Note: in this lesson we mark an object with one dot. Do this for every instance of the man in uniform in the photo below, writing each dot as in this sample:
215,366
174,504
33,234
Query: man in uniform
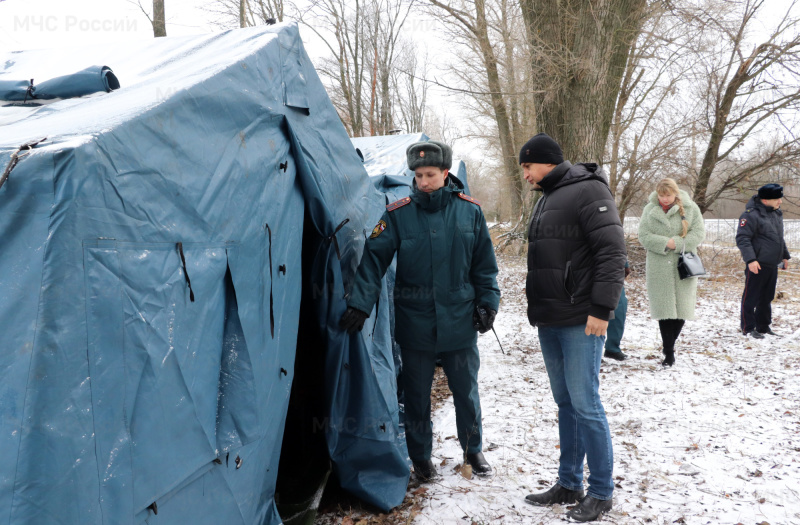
760,239
445,292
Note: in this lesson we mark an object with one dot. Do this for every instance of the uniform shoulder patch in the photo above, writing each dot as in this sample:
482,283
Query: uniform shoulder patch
379,228
742,223
398,204
469,199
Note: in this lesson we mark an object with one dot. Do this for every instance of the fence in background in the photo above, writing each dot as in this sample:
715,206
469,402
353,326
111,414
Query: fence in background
723,231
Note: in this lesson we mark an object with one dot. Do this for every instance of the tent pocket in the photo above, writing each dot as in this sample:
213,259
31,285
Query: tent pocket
154,362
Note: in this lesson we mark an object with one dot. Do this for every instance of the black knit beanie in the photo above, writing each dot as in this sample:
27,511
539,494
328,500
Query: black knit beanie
770,191
541,149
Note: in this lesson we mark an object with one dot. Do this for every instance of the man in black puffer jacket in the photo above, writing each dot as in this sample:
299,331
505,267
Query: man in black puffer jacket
576,269
760,239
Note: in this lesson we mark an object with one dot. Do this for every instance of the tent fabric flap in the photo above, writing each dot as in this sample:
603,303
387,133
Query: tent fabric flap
151,278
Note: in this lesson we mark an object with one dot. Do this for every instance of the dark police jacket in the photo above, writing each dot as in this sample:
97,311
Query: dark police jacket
759,235
445,267
576,249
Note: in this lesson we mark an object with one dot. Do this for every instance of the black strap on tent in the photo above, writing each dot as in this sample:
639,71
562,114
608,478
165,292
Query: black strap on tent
271,314
333,238
185,273
28,92
16,156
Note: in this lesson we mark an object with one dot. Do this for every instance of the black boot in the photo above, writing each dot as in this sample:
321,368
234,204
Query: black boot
425,470
669,358
480,467
768,331
556,494
617,356
589,509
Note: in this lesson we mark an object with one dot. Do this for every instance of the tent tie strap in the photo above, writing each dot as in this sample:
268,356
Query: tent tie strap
271,301
15,157
28,92
185,273
336,242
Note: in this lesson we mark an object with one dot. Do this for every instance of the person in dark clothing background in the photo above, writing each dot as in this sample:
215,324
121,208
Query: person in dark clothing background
616,326
445,292
759,238
576,268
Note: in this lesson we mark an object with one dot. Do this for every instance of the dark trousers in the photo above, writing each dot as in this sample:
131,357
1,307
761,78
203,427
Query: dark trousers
670,330
461,368
759,291
616,326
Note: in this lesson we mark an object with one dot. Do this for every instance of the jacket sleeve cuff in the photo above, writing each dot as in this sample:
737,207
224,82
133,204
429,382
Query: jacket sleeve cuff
751,260
600,312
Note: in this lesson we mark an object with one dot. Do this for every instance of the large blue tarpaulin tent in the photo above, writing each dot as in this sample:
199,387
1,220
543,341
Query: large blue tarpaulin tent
167,249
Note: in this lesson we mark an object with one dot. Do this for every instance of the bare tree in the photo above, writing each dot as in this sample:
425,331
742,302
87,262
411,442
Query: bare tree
580,52
748,90
489,75
158,20
409,87
649,127
247,13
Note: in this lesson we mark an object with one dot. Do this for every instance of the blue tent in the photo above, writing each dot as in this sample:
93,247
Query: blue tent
168,252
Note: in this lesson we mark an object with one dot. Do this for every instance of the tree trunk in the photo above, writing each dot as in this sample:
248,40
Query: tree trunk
159,19
242,17
718,130
511,170
584,46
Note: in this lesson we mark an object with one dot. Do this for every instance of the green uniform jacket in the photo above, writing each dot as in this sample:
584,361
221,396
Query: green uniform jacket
445,267
670,297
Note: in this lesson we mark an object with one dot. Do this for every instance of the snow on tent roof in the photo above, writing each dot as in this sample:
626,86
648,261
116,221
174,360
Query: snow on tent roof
173,264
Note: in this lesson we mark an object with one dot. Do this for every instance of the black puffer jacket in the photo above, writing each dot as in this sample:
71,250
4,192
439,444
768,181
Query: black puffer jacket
760,234
576,249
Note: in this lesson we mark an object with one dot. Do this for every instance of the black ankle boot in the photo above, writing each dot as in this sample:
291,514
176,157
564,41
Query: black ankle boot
556,494
669,358
425,470
589,509
480,467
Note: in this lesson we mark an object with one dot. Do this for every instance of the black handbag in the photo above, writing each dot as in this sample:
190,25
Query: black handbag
689,264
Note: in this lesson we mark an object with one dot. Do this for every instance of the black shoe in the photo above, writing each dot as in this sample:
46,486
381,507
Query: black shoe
425,470
480,467
669,359
754,334
589,509
768,331
618,356
556,494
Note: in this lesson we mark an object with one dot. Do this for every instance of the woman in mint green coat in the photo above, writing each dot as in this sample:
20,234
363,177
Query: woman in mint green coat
670,222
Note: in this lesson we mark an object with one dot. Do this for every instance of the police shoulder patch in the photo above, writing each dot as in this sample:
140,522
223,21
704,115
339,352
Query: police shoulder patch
398,204
469,199
378,229
742,223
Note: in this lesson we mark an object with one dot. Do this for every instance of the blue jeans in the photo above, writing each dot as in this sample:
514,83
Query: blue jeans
616,326
573,361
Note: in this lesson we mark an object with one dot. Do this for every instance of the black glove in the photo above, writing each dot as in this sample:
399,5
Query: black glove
353,320
483,319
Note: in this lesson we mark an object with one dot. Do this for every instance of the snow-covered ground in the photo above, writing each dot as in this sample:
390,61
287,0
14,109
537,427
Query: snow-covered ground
714,439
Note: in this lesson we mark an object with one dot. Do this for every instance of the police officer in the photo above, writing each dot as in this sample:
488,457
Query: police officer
760,239
445,291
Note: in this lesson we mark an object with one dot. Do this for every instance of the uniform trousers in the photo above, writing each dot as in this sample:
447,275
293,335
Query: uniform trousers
461,368
759,291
